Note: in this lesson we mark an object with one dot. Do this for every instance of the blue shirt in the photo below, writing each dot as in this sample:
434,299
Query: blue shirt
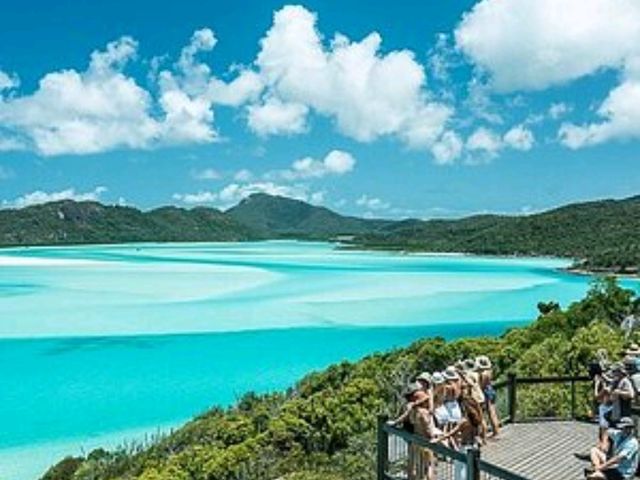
627,449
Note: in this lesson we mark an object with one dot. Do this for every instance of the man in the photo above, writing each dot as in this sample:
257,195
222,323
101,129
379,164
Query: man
622,393
623,462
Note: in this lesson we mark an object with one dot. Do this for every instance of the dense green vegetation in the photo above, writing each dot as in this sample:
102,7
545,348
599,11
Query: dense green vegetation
69,222
601,236
324,427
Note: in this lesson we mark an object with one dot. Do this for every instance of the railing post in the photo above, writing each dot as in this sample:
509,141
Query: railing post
511,396
473,464
383,448
573,399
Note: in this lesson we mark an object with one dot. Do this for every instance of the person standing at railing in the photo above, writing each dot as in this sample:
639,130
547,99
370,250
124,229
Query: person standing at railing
602,386
485,369
622,393
623,460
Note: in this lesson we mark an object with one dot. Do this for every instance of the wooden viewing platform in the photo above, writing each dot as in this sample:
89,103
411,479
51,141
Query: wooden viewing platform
543,451
529,448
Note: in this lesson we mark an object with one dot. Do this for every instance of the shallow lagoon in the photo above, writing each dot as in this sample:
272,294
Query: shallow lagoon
106,343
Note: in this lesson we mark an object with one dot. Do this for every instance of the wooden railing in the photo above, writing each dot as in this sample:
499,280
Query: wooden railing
398,449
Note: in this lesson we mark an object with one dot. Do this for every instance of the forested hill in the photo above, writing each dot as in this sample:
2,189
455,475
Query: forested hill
600,235
324,427
69,222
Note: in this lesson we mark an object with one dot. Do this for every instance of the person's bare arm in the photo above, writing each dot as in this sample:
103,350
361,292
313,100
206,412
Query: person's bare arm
402,416
613,461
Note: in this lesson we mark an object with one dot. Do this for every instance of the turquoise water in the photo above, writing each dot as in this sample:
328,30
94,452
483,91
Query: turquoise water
99,344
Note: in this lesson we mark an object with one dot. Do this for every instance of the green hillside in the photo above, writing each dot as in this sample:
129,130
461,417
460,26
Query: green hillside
69,222
275,217
601,236
324,427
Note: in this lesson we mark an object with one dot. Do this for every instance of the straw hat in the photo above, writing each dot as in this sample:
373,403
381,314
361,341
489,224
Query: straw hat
625,422
425,377
469,364
437,378
450,374
483,363
633,350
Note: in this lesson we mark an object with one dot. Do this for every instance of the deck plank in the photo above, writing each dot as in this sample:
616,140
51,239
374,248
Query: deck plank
542,451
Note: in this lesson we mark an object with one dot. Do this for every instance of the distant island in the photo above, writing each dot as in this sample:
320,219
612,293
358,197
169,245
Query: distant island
600,236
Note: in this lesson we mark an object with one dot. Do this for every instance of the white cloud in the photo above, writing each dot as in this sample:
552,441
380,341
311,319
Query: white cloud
372,203
8,82
336,162
449,148
557,110
533,44
620,113
485,140
37,197
206,174
275,117
202,197
101,108
84,112
235,192
519,138
367,93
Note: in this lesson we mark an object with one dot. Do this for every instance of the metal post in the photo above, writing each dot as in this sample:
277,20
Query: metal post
473,464
383,448
511,399
573,399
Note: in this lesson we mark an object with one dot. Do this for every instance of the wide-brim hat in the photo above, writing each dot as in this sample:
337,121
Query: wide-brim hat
425,377
483,363
625,422
469,364
633,350
450,374
437,378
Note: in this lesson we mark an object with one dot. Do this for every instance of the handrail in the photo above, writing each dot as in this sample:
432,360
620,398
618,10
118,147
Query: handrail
474,464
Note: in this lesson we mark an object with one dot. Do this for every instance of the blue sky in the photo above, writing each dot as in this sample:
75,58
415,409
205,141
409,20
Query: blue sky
407,108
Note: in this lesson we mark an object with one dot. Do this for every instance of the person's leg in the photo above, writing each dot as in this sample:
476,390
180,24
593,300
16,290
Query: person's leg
493,418
598,457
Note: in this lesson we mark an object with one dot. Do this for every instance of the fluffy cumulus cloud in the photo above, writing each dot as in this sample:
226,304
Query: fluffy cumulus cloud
37,197
83,112
8,82
448,148
367,93
235,192
620,113
519,138
102,108
533,44
336,162
488,142
275,117
541,43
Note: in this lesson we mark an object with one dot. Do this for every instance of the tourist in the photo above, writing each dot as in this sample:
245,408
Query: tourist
622,462
424,379
602,386
485,369
440,411
622,393
453,392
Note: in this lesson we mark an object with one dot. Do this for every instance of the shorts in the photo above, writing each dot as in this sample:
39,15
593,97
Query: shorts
603,418
612,474
489,394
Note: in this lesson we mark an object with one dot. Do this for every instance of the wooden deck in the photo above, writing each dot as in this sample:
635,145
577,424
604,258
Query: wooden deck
543,451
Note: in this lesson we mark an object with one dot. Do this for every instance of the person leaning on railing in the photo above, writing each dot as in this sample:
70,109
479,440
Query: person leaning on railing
485,369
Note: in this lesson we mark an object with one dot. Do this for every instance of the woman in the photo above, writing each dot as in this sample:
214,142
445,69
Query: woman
485,369
441,413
